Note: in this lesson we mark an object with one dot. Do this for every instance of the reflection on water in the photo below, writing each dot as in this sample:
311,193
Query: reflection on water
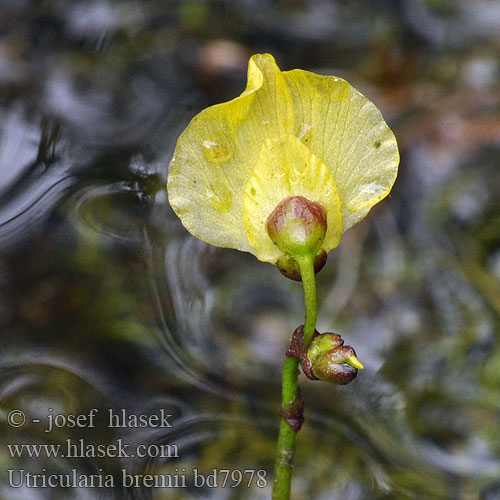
106,303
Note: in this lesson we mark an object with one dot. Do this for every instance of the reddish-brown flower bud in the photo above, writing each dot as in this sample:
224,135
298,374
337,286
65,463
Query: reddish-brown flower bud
289,267
331,360
297,226
326,358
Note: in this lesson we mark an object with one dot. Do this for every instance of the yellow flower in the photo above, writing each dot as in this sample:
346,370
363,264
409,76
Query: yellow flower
290,133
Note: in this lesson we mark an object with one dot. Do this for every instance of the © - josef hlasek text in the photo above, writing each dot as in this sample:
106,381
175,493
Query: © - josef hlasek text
115,419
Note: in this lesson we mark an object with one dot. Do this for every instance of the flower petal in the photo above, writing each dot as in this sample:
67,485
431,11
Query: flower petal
347,131
216,155
286,167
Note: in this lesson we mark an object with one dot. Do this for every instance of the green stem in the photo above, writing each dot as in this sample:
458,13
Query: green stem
306,264
285,452
286,440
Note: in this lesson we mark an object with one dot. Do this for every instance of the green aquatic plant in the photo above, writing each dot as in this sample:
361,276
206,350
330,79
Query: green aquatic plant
281,172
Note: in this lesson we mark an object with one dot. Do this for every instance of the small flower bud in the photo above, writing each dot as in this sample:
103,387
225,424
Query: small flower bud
293,413
331,360
297,226
288,266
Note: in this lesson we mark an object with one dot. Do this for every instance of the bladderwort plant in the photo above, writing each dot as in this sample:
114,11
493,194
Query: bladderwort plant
282,171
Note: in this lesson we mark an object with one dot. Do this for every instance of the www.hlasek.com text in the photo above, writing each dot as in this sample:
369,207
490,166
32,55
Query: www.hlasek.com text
81,449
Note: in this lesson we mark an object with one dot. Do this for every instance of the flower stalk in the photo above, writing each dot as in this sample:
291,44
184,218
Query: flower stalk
297,226
306,264
285,452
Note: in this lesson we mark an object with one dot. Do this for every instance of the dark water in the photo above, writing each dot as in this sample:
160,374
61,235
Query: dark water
107,303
